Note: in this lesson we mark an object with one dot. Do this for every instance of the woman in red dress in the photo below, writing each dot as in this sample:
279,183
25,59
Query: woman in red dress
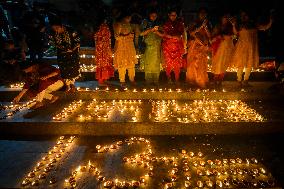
173,45
103,53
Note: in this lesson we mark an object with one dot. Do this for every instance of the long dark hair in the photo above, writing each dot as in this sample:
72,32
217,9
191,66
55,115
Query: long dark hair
102,17
250,23
124,14
226,29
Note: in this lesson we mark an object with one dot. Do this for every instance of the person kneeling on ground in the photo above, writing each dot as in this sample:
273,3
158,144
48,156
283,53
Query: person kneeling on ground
40,80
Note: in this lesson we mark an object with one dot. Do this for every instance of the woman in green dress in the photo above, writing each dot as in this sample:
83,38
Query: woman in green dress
151,59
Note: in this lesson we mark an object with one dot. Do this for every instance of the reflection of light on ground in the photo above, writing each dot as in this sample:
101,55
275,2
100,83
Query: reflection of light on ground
187,169
9,111
49,163
204,111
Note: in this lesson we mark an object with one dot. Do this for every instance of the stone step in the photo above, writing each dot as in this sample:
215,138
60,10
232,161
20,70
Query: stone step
249,117
128,129
229,91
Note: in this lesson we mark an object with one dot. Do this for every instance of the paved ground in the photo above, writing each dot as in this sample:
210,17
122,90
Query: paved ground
25,137
20,155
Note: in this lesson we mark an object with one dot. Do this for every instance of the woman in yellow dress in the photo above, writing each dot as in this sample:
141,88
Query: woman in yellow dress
222,49
246,56
124,50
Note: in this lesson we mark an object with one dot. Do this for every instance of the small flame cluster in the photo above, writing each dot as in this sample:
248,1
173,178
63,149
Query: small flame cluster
87,68
68,110
204,111
39,174
87,56
144,90
17,85
12,109
234,69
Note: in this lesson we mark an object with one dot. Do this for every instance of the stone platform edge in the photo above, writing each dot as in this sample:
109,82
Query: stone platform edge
192,95
145,128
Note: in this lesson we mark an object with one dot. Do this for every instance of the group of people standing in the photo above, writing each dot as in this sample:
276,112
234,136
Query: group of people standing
172,46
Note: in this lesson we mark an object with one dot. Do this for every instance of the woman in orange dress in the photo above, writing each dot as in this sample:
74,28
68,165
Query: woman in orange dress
198,51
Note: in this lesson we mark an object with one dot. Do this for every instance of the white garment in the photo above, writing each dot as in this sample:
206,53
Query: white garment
45,94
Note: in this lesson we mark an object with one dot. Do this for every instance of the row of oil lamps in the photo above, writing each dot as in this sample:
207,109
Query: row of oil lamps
144,90
147,160
39,174
87,68
17,85
204,111
166,110
92,67
93,56
14,108
102,110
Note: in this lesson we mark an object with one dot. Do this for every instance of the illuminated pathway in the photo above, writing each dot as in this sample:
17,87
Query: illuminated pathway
150,162
152,138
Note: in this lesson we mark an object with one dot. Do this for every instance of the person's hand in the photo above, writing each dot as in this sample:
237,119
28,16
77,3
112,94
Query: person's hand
176,37
271,18
185,50
233,21
156,28
69,51
16,99
13,61
43,78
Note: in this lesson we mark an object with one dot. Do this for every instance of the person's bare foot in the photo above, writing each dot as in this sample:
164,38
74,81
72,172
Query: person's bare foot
71,89
54,99
67,89
37,105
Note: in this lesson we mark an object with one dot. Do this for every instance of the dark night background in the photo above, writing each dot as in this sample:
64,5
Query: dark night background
84,14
